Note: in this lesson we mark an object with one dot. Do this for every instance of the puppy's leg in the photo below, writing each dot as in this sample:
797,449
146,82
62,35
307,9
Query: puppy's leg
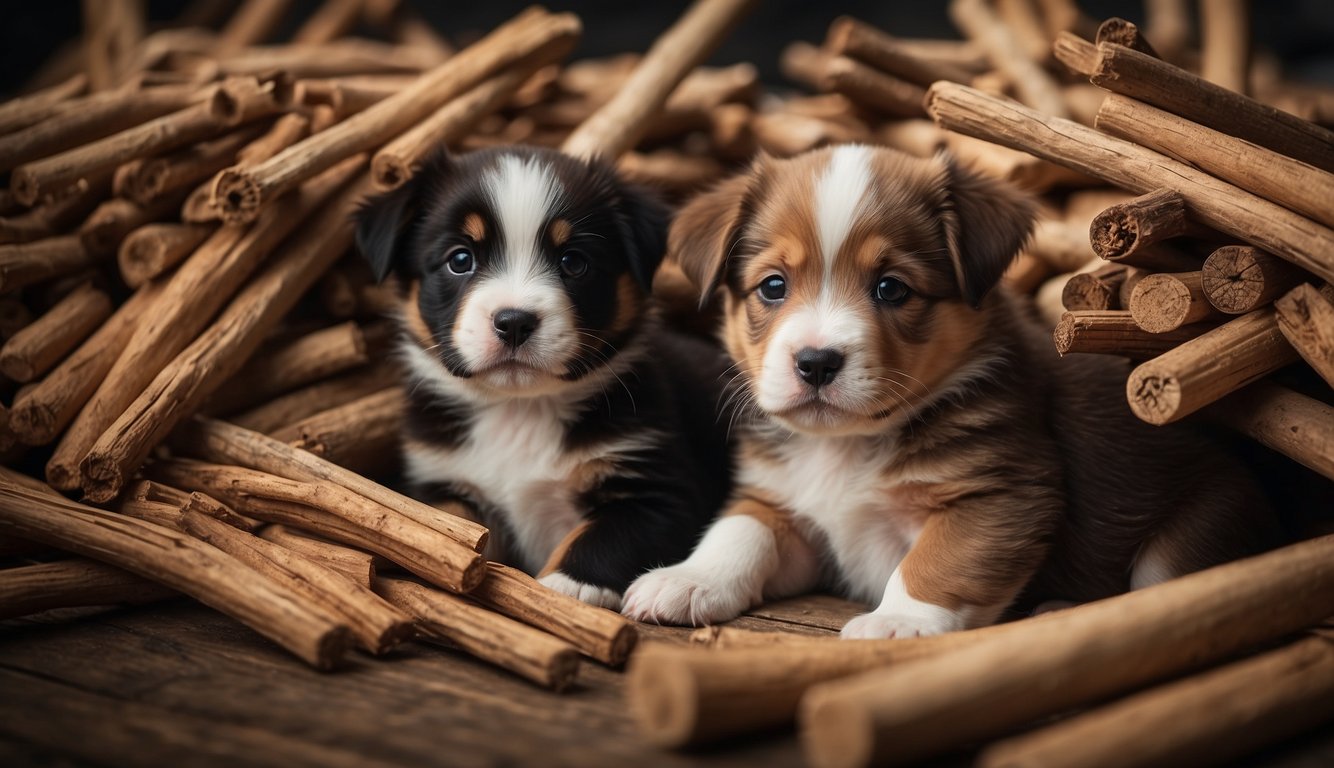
754,550
961,573
1214,526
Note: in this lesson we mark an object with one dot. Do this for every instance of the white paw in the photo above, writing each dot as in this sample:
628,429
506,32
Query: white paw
599,596
682,594
876,626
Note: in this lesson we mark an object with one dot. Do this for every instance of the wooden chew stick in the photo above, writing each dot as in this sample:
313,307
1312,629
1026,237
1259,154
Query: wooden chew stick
1165,301
1121,32
32,351
1297,426
286,131
1097,290
1077,656
180,562
41,413
1225,43
361,435
1211,202
153,249
1306,319
1240,278
1112,332
1281,179
103,231
1035,87
1077,54
59,214
314,356
596,632
376,625
422,550
24,111
1124,232
1153,81
353,563
27,263
221,442
316,398
147,179
72,583
241,193
527,652
850,37
618,125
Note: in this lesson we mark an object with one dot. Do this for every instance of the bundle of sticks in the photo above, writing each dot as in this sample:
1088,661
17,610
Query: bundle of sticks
189,343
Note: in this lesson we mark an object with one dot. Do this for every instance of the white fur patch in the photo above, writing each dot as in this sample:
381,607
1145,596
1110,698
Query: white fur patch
724,576
599,596
902,615
1152,566
523,193
839,195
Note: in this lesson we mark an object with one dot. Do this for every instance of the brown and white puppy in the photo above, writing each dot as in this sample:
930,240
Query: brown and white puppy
908,433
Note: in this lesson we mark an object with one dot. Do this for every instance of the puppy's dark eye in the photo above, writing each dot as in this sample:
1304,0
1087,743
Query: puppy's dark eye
773,288
891,290
460,261
573,264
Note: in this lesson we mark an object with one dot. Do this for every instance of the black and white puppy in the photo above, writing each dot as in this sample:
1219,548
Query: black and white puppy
541,390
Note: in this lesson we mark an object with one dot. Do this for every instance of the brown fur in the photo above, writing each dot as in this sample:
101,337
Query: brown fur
474,226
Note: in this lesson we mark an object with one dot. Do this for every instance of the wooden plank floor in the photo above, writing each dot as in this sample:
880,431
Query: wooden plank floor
177,684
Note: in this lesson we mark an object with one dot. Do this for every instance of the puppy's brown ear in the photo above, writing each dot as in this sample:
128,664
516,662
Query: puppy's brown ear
986,223
706,230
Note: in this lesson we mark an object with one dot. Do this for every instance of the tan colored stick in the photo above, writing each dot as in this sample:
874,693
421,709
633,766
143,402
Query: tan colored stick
347,56
27,263
1212,202
1035,87
149,490
252,23
1124,232
1077,54
1275,177
240,193
1213,717
1155,82
321,396
1225,43
153,249
1098,290
182,384
1297,426
527,652
670,171
59,214
850,37
35,107
148,179
617,126
1240,278
34,350
187,303
286,131
221,442
333,19
314,356
1205,369
107,227
361,435
597,633
1077,656
353,563
1166,301
41,413
155,512
376,625
1306,319
180,562
72,583
1112,332
337,511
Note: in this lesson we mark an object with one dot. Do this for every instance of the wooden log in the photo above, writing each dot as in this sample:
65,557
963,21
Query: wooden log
1099,290
59,214
1249,704
1159,84
1077,54
199,503
875,90
1079,655
1275,177
1125,232
34,350
1297,426
361,435
30,589
303,403
1165,301
1212,202
240,193
377,626
305,360
221,442
618,125
353,563
1204,369
595,632
153,249
42,412
147,179
333,512
1225,43
23,264
1239,278
1113,332
519,648
1121,32
155,512
1306,319
1034,86
186,305
849,37
107,227
180,562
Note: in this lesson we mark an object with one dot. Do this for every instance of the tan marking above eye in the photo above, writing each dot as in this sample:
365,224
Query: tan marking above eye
474,227
560,231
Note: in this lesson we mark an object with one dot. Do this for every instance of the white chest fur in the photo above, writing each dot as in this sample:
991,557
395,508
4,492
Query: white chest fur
842,487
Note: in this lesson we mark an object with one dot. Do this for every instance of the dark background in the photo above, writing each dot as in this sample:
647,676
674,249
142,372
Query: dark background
1301,32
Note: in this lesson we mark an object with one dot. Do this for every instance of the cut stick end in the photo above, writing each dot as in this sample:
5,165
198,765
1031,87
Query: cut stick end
1154,396
17,368
835,733
622,644
389,172
236,197
331,648
102,478
1064,333
25,186
1160,303
663,698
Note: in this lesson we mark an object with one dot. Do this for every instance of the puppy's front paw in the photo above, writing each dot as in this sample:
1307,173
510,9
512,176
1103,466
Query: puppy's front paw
593,595
681,594
877,626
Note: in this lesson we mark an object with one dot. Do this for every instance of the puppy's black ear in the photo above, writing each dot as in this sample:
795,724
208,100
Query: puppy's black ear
646,222
707,229
986,223
386,222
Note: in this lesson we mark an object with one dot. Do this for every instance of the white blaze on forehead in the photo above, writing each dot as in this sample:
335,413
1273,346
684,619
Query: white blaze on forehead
839,195
523,193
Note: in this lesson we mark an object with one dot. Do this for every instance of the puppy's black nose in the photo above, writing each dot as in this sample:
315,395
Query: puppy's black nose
514,326
818,367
